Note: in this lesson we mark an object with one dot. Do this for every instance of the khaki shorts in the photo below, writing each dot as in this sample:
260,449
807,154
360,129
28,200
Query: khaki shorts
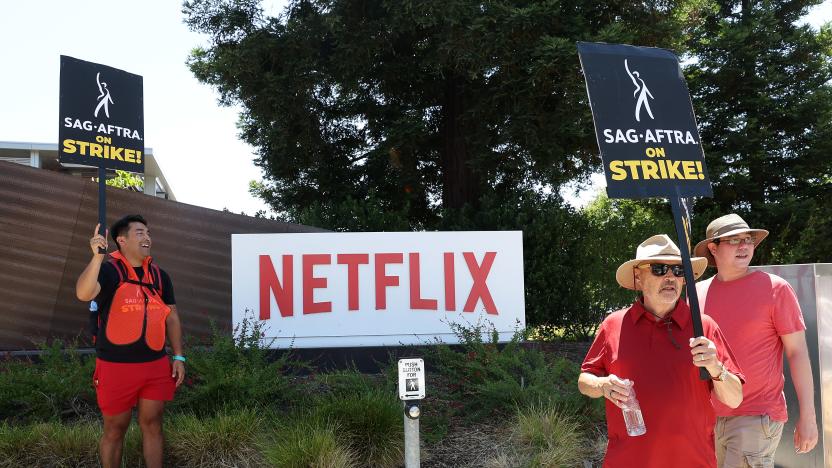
746,441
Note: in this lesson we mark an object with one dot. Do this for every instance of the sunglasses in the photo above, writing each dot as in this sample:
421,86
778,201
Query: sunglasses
736,241
660,269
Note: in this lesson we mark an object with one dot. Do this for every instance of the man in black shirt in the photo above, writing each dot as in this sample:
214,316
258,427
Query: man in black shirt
137,312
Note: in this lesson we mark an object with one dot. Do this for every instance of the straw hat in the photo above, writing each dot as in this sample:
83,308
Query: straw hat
725,226
657,249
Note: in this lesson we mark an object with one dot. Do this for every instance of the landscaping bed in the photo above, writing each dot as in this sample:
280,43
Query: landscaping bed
487,405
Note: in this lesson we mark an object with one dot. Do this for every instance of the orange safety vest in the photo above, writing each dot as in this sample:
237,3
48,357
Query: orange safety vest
137,308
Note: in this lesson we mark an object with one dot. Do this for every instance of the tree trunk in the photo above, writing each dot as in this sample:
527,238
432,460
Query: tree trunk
460,180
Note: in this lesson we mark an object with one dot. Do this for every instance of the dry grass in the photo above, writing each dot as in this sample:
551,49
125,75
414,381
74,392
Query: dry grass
226,439
60,445
370,423
542,437
310,443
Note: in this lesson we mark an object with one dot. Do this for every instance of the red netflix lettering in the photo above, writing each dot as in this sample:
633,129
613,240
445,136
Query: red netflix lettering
382,280
282,289
416,301
450,282
352,261
479,290
310,283
270,284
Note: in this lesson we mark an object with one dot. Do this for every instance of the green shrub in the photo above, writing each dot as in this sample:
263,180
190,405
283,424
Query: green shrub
546,333
390,372
435,420
555,254
308,442
345,382
227,439
488,378
238,364
372,423
58,387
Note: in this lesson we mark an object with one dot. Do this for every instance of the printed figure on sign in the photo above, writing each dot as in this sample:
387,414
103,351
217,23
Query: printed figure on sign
104,99
412,385
642,91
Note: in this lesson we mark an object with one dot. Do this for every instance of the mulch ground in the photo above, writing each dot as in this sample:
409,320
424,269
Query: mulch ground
470,444
467,445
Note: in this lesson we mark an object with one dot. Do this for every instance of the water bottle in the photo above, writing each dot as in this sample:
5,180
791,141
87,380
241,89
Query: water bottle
632,414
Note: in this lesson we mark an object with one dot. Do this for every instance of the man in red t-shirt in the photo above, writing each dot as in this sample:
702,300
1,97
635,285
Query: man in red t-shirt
649,347
759,314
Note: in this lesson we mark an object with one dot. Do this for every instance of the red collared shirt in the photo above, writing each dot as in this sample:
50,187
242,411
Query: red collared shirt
675,403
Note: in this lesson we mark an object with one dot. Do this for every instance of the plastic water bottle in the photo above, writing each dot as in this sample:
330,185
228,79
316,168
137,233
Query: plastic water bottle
632,415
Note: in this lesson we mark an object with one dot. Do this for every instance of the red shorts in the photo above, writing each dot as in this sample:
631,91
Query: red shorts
119,385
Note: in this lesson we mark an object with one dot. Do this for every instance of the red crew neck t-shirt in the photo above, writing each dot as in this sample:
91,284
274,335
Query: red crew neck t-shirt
753,312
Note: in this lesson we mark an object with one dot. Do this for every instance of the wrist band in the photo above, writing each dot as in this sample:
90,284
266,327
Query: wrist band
179,358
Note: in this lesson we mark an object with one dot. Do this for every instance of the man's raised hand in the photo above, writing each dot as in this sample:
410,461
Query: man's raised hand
98,241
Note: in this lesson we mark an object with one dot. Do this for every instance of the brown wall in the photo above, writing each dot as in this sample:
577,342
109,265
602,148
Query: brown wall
46,220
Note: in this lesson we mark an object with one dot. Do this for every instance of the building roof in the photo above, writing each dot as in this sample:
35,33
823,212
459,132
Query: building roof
45,156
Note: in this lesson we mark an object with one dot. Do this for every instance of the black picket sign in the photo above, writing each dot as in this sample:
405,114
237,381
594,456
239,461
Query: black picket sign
644,122
647,135
101,122
101,116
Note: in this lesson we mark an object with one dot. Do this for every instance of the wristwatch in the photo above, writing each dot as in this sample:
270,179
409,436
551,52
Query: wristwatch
723,374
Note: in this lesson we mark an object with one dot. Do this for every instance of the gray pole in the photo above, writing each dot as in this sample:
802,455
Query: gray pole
411,442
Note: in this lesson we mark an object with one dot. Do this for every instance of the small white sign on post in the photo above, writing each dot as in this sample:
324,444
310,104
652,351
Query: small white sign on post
411,379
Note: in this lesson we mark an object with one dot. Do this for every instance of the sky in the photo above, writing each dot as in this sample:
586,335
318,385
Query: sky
193,138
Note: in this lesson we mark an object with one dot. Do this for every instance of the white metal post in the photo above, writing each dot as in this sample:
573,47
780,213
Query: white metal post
411,442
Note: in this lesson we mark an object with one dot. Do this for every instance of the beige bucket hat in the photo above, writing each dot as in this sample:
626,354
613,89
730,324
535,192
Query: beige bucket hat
657,249
725,226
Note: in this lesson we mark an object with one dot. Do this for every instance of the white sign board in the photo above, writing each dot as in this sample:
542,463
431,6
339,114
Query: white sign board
411,379
317,290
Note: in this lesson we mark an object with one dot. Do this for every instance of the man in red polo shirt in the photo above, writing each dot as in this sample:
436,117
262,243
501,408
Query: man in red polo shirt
650,348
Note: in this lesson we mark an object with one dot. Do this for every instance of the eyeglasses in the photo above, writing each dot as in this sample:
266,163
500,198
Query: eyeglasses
737,241
660,269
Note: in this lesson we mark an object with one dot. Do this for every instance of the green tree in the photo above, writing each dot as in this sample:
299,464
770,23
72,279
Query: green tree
554,253
419,106
760,85
125,180
617,227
